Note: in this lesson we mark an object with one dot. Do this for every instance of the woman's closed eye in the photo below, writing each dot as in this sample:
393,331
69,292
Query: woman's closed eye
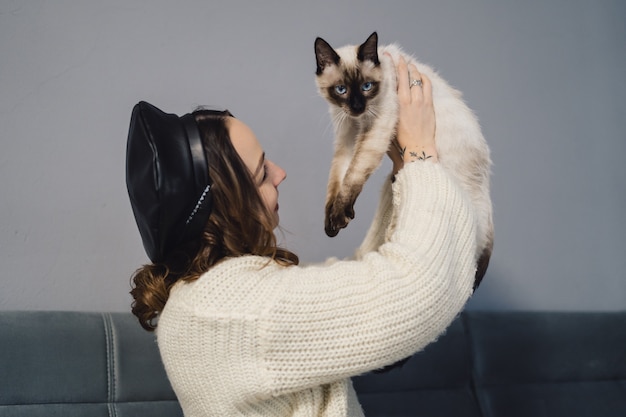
262,166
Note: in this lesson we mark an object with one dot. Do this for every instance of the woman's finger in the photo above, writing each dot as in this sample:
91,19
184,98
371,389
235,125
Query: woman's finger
402,76
427,87
415,81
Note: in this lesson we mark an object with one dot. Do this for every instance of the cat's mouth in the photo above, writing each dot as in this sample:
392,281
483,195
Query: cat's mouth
354,113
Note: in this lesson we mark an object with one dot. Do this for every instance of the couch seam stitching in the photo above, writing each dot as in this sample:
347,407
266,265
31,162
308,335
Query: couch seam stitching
110,347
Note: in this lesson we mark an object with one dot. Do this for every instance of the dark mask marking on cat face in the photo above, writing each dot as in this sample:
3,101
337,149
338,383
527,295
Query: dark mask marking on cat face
354,92
357,103
358,83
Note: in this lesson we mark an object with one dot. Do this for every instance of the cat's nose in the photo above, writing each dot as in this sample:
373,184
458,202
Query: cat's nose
357,106
356,110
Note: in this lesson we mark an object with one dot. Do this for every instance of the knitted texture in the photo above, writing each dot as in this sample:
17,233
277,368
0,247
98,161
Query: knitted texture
382,226
252,338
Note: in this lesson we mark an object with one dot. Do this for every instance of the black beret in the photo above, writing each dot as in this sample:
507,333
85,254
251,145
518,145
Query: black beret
167,176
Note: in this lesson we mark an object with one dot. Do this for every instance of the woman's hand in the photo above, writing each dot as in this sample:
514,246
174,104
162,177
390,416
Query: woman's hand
415,139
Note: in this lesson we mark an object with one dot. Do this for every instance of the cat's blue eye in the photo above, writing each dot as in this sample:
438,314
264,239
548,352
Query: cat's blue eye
341,89
367,86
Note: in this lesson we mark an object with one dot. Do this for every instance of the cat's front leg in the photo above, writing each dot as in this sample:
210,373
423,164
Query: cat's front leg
339,212
333,222
368,154
335,219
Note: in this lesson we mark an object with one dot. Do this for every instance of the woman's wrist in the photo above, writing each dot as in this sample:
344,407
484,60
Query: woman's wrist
420,153
416,153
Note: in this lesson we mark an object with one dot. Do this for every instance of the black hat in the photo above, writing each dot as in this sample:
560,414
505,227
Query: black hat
167,176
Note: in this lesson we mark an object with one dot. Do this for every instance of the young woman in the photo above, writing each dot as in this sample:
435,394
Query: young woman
242,329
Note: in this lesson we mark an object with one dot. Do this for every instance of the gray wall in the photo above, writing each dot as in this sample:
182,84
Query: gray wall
547,80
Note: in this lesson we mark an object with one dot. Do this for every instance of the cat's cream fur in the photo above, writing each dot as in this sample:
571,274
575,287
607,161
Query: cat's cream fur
362,140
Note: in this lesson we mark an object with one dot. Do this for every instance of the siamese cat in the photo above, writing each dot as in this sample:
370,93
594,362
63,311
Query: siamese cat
359,83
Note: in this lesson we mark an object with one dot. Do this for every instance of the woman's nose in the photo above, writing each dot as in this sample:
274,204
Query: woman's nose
279,174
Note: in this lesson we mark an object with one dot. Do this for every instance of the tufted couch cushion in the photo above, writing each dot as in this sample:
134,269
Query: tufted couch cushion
491,364
80,364
434,382
549,364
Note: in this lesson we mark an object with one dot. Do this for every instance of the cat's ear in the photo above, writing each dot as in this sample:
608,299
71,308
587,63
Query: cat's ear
325,55
368,51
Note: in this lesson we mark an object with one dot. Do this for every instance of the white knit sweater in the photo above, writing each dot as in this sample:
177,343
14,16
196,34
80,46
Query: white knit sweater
252,338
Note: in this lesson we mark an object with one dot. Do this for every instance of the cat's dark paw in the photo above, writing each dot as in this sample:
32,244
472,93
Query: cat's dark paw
329,228
338,216
349,211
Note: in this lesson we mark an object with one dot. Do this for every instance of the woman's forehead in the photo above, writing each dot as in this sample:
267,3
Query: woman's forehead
245,143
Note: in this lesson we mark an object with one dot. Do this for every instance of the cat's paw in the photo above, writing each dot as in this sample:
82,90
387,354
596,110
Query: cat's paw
338,215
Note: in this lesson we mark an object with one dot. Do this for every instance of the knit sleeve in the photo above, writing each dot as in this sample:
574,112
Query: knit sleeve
381,224
325,323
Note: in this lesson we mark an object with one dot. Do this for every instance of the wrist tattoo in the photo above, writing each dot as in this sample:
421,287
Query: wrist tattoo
421,157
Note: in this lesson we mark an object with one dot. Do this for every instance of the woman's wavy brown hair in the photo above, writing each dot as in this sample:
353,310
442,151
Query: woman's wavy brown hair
239,224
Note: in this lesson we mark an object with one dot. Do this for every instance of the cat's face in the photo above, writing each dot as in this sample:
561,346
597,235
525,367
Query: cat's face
349,77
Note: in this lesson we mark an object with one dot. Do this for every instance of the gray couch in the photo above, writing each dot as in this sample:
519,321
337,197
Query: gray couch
487,364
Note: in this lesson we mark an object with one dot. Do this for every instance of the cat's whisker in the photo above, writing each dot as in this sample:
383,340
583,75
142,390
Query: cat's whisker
327,127
372,111
339,118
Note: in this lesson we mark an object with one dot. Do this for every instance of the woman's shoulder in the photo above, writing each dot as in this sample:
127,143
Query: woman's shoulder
239,286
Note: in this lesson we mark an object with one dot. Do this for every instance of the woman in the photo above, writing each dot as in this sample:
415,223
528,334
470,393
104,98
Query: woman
242,329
